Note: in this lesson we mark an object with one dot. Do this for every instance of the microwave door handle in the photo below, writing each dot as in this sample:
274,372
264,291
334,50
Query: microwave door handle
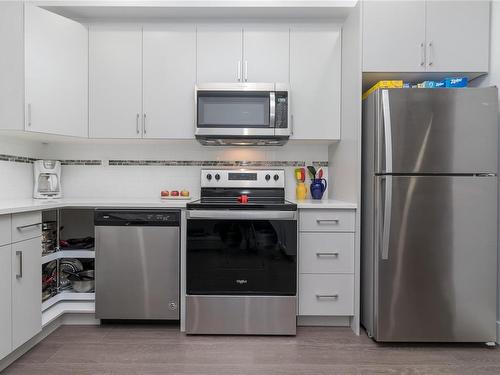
272,109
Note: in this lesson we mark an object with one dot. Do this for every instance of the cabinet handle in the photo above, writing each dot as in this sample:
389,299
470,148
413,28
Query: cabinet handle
20,255
327,221
29,114
137,124
330,296
422,54
21,227
246,70
239,70
292,127
324,254
144,122
430,53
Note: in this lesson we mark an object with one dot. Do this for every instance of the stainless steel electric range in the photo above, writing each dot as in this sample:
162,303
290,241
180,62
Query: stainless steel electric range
241,263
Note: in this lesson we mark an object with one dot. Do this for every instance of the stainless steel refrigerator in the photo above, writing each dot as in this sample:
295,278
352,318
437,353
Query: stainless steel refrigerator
429,215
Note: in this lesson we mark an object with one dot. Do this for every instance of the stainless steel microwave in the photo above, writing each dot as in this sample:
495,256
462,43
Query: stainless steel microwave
242,114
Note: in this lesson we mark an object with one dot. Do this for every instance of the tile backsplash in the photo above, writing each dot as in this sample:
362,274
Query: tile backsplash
142,169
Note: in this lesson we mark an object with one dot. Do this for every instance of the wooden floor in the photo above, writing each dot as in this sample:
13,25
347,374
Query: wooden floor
124,350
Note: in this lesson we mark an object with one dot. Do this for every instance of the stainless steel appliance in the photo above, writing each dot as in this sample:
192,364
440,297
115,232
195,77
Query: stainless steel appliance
242,114
429,215
241,255
47,179
137,264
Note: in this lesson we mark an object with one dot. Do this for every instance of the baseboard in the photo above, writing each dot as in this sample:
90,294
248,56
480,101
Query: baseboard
324,321
79,319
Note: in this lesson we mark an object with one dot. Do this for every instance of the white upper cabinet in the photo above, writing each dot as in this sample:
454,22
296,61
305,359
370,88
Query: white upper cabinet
219,53
12,65
115,82
169,77
56,74
315,81
266,53
457,36
416,36
393,36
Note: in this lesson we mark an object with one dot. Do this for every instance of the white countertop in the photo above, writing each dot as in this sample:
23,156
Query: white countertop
11,206
325,203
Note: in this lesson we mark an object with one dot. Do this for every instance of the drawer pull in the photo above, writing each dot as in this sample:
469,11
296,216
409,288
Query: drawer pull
327,296
335,255
327,221
21,227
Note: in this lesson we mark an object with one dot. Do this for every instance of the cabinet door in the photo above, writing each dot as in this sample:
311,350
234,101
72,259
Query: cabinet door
266,53
56,74
115,58
6,305
394,36
169,79
12,65
219,53
315,82
26,290
458,35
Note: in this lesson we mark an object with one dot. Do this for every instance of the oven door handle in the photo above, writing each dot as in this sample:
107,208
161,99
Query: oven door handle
241,215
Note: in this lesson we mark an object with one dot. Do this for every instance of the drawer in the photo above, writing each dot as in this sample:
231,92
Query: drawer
325,294
327,220
5,230
326,253
26,225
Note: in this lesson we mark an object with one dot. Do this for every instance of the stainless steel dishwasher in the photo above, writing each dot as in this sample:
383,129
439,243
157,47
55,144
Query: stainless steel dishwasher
137,264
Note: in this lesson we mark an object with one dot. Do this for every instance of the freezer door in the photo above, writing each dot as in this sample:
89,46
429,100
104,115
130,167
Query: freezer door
437,130
435,258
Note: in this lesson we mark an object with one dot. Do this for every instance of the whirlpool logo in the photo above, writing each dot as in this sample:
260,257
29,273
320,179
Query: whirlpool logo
241,281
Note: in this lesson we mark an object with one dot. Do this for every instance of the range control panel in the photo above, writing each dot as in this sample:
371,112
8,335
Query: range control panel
237,178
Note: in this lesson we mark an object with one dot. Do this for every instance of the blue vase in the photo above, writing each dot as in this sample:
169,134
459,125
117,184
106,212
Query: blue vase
318,187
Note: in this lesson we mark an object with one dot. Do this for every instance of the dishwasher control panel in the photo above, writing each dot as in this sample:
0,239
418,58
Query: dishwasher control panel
137,218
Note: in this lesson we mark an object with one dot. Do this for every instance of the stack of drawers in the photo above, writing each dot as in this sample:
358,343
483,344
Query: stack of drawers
326,262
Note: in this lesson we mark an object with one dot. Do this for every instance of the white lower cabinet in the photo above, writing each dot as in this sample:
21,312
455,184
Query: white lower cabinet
326,262
326,294
6,305
26,290
326,253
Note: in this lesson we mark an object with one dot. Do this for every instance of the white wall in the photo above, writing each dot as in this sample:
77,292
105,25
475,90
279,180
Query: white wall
16,179
148,181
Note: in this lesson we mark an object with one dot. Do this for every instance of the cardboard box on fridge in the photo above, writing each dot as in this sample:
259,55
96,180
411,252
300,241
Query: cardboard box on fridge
395,84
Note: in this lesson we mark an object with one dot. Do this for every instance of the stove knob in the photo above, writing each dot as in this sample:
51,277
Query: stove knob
268,177
276,177
209,177
217,177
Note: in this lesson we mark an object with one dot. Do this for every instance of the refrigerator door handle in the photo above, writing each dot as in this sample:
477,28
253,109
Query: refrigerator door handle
387,131
386,232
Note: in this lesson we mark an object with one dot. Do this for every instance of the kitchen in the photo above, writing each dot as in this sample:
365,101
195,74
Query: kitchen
135,100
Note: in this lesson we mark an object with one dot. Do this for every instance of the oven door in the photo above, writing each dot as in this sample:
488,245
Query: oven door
238,253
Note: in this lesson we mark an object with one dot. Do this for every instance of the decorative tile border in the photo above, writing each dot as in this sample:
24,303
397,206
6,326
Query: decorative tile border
16,159
28,160
81,162
174,163
214,163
